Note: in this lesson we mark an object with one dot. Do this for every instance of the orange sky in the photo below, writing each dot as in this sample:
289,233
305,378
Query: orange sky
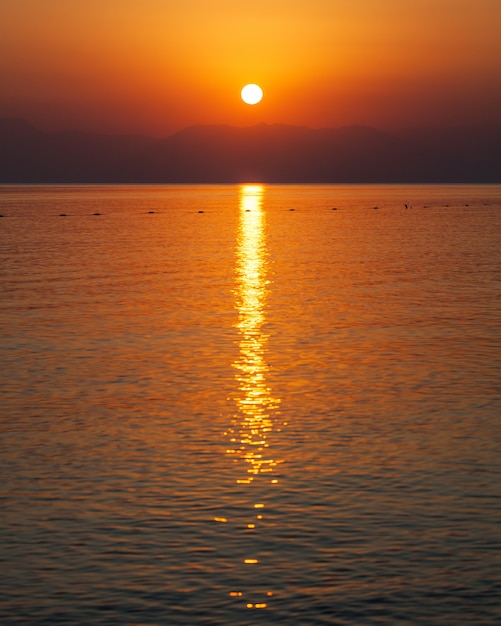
156,66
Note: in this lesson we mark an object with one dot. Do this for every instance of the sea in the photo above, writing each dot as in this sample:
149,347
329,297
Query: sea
231,405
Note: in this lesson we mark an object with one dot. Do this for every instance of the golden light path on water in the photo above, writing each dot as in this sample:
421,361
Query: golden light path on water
253,422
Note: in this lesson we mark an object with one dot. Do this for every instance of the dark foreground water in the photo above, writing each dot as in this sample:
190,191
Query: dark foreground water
218,410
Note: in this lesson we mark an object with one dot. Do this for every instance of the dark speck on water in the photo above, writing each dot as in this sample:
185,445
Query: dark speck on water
157,470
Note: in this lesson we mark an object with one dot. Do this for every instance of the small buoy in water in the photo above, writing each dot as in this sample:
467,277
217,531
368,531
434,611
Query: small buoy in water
151,212
334,208
62,214
375,207
406,206
96,213
200,211
247,210
291,209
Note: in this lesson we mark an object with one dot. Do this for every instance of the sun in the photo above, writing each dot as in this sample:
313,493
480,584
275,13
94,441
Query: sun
252,94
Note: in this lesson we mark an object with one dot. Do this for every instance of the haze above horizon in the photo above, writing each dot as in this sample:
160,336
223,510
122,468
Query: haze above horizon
154,68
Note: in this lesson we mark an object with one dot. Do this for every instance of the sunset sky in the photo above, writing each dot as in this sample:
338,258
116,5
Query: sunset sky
156,66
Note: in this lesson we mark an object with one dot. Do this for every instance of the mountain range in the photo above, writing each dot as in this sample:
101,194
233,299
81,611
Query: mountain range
263,153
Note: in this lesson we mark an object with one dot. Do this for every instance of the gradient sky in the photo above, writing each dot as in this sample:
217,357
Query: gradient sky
156,66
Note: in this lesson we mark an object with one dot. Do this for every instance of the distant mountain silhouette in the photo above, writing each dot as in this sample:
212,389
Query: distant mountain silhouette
30,155
265,153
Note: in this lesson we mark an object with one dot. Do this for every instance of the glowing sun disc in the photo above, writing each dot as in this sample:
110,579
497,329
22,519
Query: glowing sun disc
251,94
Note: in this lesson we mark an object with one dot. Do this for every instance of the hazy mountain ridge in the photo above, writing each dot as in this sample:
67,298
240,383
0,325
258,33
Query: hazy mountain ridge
266,153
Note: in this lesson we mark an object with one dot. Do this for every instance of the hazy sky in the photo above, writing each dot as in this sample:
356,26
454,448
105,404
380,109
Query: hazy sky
156,66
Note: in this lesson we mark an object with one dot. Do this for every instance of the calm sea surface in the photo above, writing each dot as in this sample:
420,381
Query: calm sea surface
234,405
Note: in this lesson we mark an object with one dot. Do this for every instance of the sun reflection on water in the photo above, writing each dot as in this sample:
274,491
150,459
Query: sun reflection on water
253,422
